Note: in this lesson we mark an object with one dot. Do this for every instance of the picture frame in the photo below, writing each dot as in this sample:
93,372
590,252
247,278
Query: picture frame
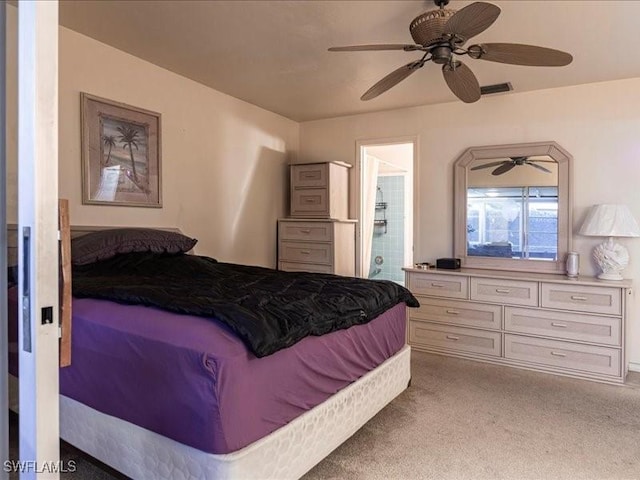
121,154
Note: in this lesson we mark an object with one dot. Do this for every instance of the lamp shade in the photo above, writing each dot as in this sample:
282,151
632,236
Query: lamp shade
610,221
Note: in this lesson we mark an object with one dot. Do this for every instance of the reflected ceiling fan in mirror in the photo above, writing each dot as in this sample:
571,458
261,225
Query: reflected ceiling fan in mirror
440,34
506,165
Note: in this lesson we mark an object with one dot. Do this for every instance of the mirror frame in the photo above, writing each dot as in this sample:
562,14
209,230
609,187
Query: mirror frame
564,160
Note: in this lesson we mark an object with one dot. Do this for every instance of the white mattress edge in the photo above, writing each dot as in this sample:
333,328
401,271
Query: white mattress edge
289,452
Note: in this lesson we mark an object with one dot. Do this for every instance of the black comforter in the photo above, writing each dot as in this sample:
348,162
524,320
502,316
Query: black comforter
268,309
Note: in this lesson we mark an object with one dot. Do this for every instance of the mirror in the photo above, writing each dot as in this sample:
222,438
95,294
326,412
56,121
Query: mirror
512,207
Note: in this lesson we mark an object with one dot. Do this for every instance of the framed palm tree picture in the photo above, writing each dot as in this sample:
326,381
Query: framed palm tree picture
121,154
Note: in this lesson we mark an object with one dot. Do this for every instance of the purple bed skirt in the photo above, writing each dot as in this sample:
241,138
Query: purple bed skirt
192,380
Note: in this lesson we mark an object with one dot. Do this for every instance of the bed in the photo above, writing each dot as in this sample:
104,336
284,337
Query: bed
156,391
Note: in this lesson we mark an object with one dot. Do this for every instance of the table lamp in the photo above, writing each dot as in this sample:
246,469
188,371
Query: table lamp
610,221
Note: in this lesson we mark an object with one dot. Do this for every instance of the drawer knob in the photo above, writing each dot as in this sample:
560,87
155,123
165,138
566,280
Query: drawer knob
305,230
559,325
503,290
309,200
437,285
580,298
453,312
453,337
305,252
558,354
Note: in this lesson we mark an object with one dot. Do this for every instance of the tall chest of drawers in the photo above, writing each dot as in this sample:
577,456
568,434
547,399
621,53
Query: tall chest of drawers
318,236
323,246
540,322
320,190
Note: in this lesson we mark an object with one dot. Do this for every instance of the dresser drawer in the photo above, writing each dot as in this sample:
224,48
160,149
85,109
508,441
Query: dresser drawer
582,298
450,286
569,326
312,231
311,175
514,292
459,313
454,338
304,267
309,202
306,252
574,356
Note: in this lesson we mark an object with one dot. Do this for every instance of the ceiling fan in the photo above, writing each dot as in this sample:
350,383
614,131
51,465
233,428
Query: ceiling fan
440,34
506,165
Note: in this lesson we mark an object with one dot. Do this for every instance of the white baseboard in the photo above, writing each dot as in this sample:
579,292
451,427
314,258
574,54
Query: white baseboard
634,367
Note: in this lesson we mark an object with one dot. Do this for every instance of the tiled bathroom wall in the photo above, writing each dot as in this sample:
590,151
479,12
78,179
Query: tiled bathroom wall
389,246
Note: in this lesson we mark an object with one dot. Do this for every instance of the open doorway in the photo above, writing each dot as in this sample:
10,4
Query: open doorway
385,201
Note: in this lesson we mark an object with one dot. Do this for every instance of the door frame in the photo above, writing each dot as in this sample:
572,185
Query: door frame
357,198
38,326
4,341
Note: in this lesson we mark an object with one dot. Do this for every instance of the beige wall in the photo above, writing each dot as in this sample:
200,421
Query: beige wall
599,124
224,161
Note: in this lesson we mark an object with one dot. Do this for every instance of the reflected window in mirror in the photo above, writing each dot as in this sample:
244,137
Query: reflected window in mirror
513,222
513,207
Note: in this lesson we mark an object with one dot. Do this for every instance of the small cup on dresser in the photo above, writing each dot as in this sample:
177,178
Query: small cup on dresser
573,264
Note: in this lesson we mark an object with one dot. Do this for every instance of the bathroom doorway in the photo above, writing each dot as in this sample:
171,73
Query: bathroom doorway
385,227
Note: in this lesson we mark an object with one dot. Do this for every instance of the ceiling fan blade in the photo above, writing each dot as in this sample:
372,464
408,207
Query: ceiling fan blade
539,167
389,46
391,80
503,168
487,165
472,20
518,54
462,82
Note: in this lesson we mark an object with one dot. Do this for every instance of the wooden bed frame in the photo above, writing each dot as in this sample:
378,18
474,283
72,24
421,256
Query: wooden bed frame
65,288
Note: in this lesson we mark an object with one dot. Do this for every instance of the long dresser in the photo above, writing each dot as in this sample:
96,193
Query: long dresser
572,327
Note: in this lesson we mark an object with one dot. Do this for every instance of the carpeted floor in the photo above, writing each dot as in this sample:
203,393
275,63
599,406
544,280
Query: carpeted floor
468,420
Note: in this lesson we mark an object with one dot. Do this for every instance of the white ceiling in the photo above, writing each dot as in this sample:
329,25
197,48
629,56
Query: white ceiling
274,53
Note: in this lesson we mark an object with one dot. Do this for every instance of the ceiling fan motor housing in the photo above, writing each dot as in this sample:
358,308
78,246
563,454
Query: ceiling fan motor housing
427,28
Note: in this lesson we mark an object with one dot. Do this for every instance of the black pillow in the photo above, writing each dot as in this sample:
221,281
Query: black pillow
106,244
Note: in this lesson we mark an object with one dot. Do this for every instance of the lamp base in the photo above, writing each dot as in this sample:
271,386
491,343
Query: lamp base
612,258
610,276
